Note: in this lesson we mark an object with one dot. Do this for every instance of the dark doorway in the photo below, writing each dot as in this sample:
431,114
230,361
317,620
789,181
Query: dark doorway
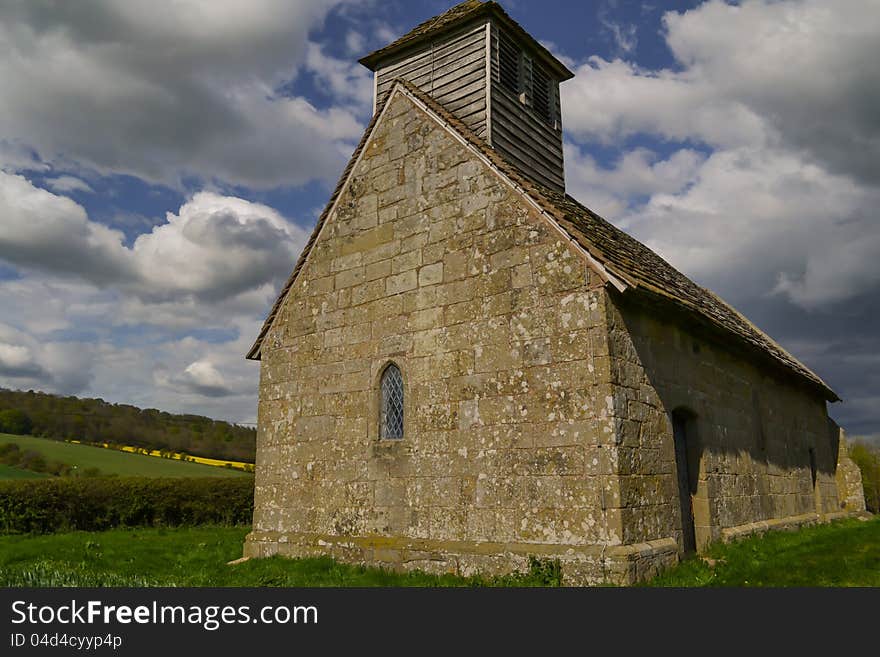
813,472
687,471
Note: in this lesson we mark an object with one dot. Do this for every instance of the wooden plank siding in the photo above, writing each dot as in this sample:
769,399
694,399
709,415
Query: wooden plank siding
520,135
452,70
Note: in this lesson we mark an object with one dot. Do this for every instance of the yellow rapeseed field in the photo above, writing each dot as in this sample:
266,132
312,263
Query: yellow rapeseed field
177,456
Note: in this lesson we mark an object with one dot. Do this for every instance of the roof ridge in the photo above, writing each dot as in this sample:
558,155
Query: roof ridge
669,282
784,356
767,336
620,253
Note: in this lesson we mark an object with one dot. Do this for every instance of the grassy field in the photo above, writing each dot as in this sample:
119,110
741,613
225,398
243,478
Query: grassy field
190,557
10,472
110,461
845,553
842,554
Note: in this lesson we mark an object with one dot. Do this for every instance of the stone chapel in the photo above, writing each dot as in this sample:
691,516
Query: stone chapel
467,366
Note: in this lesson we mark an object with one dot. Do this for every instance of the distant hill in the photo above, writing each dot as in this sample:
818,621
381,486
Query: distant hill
88,461
94,420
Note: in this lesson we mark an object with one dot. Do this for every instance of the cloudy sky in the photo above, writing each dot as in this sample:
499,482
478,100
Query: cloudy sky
162,163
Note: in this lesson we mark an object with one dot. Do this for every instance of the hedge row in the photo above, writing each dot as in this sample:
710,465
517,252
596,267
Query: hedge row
45,506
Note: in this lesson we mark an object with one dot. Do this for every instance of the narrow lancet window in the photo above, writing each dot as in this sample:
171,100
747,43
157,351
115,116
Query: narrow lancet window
391,417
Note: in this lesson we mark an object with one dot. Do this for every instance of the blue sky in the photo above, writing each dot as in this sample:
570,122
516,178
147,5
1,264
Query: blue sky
161,169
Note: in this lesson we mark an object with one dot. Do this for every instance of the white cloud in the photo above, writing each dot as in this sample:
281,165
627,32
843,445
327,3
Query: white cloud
612,100
804,67
71,364
90,352
385,34
754,217
63,184
845,268
17,361
188,313
53,232
757,73
215,248
783,95
162,90
343,79
192,373
783,206
355,43
203,378
25,362
638,173
212,269
625,36
15,156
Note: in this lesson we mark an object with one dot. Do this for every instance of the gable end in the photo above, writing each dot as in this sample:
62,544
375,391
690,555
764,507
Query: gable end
462,135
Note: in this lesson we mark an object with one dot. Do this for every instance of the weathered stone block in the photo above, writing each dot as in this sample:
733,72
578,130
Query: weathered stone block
401,282
431,274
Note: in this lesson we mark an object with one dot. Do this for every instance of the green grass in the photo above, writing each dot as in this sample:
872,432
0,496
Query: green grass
845,553
110,461
11,472
189,557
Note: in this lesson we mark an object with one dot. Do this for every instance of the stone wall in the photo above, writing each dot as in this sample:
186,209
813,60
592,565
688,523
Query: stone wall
850,490
753,432
537,401
430,261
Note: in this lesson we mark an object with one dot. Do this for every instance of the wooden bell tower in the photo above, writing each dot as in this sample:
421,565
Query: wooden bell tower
488,71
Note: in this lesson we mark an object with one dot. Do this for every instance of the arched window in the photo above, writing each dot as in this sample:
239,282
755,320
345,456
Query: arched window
391,409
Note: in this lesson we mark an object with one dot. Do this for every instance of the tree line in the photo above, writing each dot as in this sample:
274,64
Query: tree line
97,421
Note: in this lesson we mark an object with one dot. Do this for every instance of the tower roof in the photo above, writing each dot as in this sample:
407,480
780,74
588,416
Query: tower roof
456,16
